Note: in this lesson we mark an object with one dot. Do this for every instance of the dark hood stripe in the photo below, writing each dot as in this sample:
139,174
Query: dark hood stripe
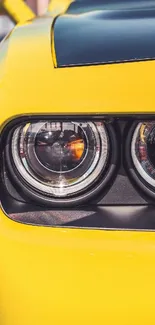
105,36
81,6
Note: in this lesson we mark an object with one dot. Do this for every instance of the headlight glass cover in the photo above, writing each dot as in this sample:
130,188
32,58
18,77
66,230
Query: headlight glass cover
60,159
143,151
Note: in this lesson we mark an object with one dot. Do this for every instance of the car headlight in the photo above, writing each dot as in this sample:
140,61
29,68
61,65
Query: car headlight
143,152
60,161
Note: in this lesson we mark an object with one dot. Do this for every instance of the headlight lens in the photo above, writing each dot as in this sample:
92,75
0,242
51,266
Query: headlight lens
143,151
60,159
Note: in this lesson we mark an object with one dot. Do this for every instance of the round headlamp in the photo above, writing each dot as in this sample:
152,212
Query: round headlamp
143,155
60,160
143,151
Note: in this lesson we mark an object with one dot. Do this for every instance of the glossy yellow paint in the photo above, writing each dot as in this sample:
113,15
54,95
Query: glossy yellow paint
116,88
72,276
63,276
17,10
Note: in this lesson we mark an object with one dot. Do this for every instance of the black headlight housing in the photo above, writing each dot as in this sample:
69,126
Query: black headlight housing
87,163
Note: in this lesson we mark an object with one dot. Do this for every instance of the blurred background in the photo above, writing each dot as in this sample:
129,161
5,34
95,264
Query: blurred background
38,6
11,10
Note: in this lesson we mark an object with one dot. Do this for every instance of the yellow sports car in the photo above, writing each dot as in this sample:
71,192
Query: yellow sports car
77,129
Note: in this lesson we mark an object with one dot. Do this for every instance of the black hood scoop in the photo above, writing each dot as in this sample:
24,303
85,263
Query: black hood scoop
90,34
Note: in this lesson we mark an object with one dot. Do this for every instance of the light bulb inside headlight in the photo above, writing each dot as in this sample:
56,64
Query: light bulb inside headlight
60,159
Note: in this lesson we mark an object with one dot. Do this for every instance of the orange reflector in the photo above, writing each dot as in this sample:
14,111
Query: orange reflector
77,148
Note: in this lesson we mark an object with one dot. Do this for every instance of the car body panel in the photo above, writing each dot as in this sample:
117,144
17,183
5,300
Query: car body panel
118,88
65,276
60,275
